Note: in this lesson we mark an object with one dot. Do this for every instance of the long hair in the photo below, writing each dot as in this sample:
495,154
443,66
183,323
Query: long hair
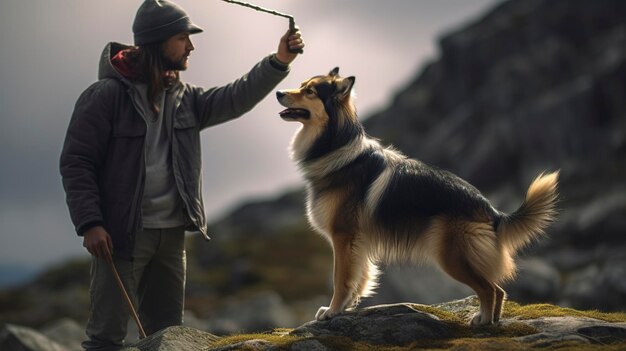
149,63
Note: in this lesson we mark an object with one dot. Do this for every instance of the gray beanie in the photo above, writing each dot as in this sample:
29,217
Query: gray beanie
158,20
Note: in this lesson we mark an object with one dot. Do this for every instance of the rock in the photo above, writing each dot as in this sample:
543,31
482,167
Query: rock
308,345
537,280
174,339
192,321
578,329
546,339
466,306
251,345
263,311
532,85
415,283
18,338
604,334
600,285
404,326
398,324
66,332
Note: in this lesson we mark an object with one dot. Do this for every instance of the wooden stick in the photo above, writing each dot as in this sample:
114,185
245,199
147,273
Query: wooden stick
292,22
142,333
258,8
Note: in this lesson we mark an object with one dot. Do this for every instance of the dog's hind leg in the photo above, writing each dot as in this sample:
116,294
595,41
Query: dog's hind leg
461,251
500,296
486,291
345,277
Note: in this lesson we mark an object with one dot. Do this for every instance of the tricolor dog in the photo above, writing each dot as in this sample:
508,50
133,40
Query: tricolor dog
375,204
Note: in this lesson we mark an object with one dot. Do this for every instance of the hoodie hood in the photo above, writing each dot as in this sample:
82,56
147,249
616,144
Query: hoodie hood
112,65
106,68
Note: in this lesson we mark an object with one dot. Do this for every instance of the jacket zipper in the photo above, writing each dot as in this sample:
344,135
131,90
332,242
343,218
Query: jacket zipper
133,226
176,163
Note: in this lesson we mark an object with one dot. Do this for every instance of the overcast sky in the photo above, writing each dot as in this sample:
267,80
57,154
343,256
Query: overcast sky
49,53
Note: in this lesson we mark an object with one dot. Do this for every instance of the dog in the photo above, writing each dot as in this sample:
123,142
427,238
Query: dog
374,204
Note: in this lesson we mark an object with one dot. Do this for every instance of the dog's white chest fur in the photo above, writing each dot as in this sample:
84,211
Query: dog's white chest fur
320,212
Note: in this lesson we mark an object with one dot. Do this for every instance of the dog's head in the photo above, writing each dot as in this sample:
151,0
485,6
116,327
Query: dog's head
324,106
317,99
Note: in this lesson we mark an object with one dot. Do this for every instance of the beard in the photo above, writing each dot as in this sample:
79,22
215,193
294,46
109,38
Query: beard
175,65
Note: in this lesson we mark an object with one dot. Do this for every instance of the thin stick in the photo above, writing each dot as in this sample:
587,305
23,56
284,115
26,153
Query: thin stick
258,8
142,333
292,21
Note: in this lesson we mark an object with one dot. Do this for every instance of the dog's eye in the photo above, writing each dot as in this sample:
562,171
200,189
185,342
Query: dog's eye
309,91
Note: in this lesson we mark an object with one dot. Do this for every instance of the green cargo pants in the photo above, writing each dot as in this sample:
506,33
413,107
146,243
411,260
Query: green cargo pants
154,280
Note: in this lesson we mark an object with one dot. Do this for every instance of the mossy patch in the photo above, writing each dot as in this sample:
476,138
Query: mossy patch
459,322
439,313
278,338
513,309
468,344
463,337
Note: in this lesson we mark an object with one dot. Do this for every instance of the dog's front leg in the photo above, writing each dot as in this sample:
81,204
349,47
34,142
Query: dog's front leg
344,294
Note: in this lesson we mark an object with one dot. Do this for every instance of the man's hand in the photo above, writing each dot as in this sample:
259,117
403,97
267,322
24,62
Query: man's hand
289,40
98,242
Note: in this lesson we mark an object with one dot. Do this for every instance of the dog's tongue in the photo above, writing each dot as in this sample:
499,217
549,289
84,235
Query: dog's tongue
284,112
294,112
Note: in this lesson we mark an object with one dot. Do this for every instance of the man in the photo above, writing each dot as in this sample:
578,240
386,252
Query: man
131,166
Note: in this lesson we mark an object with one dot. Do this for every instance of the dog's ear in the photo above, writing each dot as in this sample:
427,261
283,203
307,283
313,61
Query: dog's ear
334,72
345,86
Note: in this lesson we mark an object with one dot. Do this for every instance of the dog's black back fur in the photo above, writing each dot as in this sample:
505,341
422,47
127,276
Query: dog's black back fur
417,190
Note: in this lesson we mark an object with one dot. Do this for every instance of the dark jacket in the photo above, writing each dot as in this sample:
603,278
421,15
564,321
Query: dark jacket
102,162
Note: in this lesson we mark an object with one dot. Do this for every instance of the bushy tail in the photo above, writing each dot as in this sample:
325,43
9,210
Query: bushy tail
536,213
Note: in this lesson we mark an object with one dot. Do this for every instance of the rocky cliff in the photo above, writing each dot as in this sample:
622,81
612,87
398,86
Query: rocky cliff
534,85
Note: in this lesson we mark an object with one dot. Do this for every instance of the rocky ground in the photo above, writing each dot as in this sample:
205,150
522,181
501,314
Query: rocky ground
385,327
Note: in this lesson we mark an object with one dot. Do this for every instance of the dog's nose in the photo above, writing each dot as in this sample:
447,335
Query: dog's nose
279,94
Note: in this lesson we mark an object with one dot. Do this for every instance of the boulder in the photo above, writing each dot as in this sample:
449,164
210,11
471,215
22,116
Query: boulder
174,339
18,338
67,332
577,329
536,280
261,312
398,324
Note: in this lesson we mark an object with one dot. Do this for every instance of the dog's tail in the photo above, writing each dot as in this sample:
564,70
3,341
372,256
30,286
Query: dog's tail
530,220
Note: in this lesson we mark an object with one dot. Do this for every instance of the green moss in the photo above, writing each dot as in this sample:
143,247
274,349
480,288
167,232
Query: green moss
439,313
278,337
341,343
513,309
282,340
469,344
464,337
459,321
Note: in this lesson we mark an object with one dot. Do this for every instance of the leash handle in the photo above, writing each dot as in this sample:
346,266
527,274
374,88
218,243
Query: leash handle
292,29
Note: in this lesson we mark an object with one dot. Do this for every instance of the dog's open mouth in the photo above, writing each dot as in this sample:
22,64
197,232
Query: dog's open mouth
294,113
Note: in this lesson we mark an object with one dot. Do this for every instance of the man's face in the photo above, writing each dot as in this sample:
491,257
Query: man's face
176,52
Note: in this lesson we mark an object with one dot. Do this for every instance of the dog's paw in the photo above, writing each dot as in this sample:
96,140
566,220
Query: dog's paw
324,313
479,320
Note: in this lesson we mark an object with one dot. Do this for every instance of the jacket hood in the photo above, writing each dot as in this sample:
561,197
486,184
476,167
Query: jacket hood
106,68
